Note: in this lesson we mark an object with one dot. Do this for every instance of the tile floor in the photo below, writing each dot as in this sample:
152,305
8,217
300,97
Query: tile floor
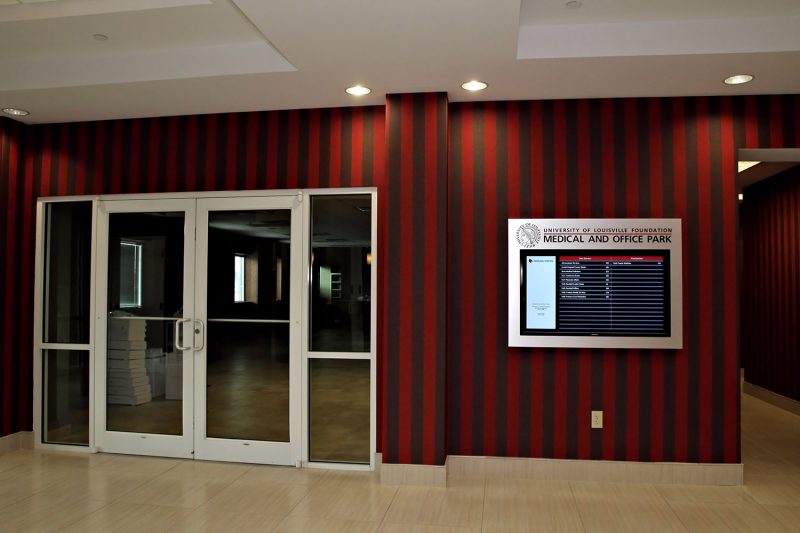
78,493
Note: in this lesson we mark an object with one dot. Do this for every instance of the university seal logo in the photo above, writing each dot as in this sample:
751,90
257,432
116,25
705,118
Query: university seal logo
528,235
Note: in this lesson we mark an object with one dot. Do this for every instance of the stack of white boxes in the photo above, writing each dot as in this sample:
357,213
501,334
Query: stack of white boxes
128,383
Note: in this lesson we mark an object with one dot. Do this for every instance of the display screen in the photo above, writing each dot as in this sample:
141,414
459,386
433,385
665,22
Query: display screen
617,293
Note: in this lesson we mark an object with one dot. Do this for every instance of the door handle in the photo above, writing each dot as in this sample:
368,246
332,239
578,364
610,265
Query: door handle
179,334
199,330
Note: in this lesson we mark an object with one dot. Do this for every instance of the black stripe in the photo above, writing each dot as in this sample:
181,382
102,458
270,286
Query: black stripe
283,149
692,306
71,148
325,130
620,159
394,216
261,149
242,141
548,403
596,373
456,310
668,206
367,169
548,164
573,191
596,156
501,351
717,284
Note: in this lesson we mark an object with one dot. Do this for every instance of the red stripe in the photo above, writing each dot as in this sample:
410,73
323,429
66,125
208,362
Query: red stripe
609,404
406,281
560,147
357,149
631,408
99,149
466,228
293,157
705,276
62,183
584,162
47,154
537,178
26,238
83,158
537,416
271,179
560,405
682,356
490,275
513,199
656,384
190,165
584,404
632,160
135,160
153,153
10,139
313,148
432,291
174,141
607,135
231,145
776,121
336,146
379,149
251,159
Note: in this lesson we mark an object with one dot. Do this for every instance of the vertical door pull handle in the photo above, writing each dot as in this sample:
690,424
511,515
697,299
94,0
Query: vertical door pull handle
179,334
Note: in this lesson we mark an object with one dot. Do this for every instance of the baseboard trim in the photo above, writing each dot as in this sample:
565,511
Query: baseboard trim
16,441
586,470
562,469
773,398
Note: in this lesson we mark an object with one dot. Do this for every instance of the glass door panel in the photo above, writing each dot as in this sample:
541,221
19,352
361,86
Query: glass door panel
144,337
247,369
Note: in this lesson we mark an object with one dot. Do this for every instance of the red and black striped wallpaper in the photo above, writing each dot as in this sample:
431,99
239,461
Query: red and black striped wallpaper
449,175
15,360
415,262
771,283
265,150
673,157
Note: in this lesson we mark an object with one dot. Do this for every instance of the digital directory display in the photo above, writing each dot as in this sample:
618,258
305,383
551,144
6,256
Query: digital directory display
605,283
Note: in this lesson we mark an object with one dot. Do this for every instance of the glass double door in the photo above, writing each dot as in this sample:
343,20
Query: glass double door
197,332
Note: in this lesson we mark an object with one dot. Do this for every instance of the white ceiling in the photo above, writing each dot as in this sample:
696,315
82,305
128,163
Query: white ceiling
175,57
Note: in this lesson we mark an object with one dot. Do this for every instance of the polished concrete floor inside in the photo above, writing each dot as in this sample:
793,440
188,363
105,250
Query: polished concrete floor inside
48,491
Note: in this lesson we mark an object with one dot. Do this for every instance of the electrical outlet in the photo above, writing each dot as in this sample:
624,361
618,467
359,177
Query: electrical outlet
597,419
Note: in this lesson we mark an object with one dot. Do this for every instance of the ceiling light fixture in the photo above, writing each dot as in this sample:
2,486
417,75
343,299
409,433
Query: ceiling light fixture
738,79
474,85
14,112
573,4
100,37
358,90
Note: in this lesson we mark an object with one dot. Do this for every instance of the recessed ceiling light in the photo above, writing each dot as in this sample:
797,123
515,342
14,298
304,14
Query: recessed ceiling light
738,79
13,111
100,37
574,4
358,90
474,85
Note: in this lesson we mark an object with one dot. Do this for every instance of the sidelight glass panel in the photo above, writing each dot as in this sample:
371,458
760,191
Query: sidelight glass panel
66,397
339,418
144,368
247,366
68,245
341,259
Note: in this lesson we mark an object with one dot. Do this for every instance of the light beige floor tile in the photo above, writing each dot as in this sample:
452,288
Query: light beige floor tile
530,505
406,528
266,500
205,520
619,517
303,524
458,505
132,463
776,492
788,515
367,503
283,475
740,518
703,494
101,485
592,491
119,517
176,492
207,470
47,511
